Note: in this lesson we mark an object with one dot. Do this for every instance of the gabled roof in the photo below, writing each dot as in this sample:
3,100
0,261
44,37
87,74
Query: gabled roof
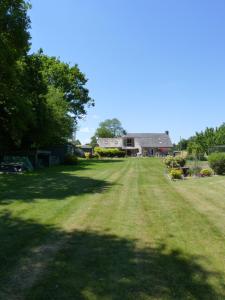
155,140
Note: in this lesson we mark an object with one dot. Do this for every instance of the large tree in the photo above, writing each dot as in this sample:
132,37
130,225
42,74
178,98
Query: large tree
14,44
41,97
70,80
110,128
64,101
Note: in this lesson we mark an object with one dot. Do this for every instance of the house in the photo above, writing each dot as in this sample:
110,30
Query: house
140,144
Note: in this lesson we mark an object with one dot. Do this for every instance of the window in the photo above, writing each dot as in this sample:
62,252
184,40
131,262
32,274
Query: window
129,142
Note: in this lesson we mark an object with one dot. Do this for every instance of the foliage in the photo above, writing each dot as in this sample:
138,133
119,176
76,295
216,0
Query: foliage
14,43
176,173
207,172
217,162
87,155
71,160
182,145
41,97
201,143
109,128
14,40
69,80
93,142
174,161
170,162
195,171
109,152
180,160
96,156
77,143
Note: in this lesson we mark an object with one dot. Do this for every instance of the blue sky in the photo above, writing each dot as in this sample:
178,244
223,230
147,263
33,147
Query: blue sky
154,64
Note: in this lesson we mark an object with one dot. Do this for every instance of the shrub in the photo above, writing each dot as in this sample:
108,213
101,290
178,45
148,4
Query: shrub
70,160
202,157
176,174
109,152
170,162
217,162
195,171
180,161
174,162
191,157
87,155
206,172
96,156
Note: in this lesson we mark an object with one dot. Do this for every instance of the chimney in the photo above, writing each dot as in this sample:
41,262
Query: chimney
167,132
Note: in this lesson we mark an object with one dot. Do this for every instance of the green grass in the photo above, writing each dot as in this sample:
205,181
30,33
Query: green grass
113,229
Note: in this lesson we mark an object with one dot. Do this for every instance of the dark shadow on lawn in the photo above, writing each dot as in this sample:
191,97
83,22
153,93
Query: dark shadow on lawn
93,265
55,183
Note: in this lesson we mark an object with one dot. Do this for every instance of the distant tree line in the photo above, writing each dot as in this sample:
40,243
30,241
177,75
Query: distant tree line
202,141
41,97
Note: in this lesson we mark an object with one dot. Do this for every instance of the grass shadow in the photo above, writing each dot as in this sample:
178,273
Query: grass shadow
96,266
93,265
54,183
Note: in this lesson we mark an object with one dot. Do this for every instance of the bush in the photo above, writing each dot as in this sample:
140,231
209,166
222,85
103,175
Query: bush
217,162
191,157
195,171
206,172
202,157
71,160
109,152
180,161
174,161
176,174
96,156
170,162
87,155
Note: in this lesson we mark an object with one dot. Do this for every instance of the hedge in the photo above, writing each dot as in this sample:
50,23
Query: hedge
217,162
109,152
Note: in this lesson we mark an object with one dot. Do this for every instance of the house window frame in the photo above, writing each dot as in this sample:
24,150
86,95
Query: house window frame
129,142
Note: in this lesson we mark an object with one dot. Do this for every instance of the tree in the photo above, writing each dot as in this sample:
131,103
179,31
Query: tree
41,97
70,80
94,142
110,128
182,145
77,143
50,121
14,34
220,135
14,44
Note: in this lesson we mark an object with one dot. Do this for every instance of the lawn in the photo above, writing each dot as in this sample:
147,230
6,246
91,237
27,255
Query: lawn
113,229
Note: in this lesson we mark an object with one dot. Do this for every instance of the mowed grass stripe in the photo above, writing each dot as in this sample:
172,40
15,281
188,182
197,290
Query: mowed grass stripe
121,230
